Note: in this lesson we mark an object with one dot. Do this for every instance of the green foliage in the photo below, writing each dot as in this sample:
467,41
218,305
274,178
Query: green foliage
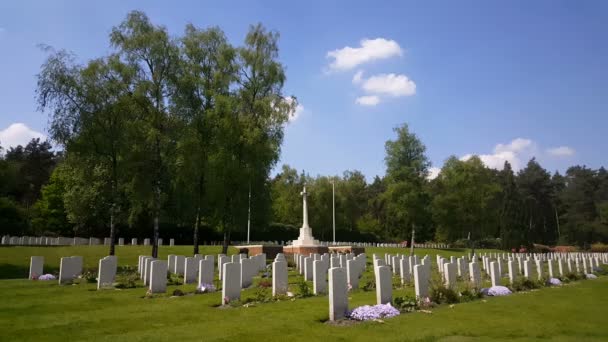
464,202
90,276
12,218
304,289
599,248
442,295
523,284
470,294
126,278
406,303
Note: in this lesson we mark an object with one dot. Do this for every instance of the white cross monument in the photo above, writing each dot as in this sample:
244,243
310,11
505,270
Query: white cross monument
306,238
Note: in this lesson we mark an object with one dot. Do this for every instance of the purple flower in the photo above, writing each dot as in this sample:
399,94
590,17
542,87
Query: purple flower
367,313
47,277
498,291
590,276
554,281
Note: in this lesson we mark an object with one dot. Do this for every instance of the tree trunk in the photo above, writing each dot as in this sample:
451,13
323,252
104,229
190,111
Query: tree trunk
196,225
197,222
156,222
112,231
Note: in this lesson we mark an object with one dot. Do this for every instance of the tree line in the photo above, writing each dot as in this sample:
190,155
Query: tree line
177,136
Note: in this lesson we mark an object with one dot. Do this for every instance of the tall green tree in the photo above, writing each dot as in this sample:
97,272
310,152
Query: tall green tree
511,221
406,196
464,202
534,183
206,72
153,56
91,108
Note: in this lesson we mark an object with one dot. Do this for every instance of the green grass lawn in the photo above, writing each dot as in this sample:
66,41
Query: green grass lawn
36,310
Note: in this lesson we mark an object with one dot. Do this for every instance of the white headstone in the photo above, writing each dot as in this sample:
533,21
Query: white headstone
221,260
475,274
352,274
36,267
308,269
449,274
180,262
158,276
539,269
550,264
190,270
279,278
147,264
384,285
205,271
248,269
171,263
511,267
69,269
405,270
338,296
107,271
231,282
319,280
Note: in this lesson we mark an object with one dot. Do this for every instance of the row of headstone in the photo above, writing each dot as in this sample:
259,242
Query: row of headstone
65,241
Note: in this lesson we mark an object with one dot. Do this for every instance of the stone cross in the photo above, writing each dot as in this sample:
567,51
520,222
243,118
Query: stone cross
304,208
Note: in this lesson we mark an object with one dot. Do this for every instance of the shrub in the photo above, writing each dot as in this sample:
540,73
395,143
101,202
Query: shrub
174,279
369,285
599,247
90,276
440,294
541,248
572,276
406,303
523,284
126,278
260,295
489,243
565,249
469,295
461,243
304,289
602,270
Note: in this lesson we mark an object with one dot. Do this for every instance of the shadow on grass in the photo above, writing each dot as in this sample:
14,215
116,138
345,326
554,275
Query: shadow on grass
10,271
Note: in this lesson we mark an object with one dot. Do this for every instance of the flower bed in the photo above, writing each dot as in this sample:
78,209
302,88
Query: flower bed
367,312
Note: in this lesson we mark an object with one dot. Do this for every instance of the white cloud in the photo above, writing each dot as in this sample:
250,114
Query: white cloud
516,152
370,49
18,134
433,173
562,151
370,100
389,84
358,77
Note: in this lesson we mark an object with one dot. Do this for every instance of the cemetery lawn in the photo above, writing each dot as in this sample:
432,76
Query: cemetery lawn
44,311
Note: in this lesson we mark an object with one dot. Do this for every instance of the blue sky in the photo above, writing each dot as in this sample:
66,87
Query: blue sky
506,80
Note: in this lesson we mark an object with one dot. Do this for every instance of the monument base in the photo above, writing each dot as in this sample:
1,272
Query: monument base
271,251
304,250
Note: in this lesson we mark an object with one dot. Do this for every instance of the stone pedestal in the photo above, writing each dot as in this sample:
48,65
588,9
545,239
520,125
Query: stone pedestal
304,250
271,251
